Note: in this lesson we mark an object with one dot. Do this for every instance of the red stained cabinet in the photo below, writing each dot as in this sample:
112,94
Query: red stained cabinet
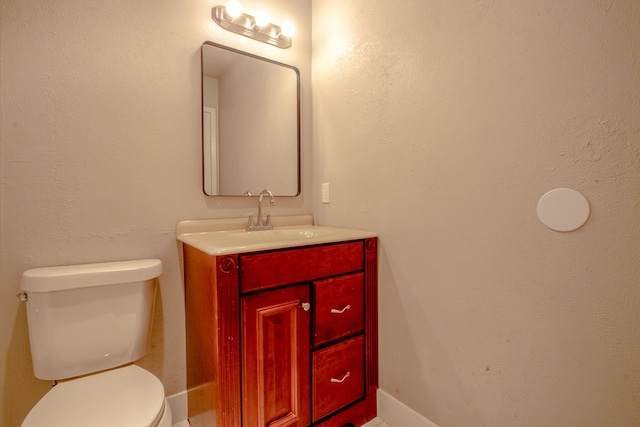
338,376
339,307
275,358
283,338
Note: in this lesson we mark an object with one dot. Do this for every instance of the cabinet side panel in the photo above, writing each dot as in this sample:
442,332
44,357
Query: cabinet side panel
371,326
213,372
199,275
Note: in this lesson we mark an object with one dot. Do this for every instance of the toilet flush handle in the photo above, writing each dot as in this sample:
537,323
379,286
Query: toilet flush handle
22,296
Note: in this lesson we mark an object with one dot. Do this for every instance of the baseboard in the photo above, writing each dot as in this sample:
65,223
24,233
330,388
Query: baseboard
397,414
179,406
390,410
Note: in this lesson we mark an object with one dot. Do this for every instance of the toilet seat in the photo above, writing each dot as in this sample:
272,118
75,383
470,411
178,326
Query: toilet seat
126,397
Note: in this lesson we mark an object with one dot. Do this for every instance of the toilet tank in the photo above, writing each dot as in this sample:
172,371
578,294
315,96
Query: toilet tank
88,318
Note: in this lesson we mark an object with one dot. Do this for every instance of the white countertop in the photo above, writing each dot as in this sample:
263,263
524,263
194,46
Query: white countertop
241,241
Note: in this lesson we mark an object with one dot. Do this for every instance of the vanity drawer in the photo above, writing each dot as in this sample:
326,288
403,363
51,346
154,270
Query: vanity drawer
270,269
339,307
354,416
338,376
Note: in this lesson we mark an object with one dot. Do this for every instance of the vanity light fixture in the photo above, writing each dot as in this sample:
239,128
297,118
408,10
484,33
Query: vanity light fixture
231,17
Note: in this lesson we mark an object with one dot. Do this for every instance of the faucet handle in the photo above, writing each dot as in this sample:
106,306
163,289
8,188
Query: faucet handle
250,223
268,220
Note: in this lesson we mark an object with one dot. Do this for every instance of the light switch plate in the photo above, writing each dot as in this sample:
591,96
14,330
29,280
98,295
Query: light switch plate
325,192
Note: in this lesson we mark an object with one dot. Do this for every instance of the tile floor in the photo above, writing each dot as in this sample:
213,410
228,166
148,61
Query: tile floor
376,422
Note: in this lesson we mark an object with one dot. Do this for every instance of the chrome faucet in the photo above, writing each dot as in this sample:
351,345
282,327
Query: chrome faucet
260,223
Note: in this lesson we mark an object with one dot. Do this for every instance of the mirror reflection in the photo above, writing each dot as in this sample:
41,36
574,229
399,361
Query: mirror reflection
250,124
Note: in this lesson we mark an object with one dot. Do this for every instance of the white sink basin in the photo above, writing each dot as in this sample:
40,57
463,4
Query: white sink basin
277,235
239,241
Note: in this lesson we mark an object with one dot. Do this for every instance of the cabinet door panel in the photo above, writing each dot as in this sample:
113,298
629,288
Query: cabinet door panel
275,358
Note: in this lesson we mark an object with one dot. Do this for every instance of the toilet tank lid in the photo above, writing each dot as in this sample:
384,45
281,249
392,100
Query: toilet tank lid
49,279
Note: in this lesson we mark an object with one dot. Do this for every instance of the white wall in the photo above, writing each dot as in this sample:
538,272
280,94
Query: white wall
439,124
101,155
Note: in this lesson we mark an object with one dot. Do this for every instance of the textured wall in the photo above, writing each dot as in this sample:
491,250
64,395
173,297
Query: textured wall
439,125
101,155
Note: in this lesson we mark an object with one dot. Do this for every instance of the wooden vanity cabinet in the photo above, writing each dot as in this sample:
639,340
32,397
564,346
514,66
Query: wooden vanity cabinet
282,338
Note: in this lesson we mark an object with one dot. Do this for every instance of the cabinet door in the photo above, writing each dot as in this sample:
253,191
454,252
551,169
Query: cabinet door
275,358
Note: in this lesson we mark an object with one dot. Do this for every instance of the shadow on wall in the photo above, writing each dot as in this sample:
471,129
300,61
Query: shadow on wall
415,344
22,389
153,361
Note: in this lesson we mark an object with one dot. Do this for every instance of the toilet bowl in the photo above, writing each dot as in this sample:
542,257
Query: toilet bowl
87,325
123,397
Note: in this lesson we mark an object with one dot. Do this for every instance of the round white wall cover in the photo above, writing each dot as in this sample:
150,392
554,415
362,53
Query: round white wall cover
563,209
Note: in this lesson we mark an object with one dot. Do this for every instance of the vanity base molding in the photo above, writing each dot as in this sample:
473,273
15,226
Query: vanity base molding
261,348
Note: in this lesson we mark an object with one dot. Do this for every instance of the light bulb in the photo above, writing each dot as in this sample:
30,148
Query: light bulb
234,8
288,29
262,18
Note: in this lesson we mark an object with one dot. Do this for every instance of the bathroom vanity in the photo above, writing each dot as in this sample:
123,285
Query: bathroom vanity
281,327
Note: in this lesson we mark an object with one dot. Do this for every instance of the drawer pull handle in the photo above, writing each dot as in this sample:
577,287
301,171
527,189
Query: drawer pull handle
336,311
306,306
341,380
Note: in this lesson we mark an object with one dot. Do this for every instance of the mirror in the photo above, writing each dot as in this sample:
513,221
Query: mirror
250,124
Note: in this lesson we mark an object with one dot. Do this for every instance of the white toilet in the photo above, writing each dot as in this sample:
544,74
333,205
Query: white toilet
87,324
